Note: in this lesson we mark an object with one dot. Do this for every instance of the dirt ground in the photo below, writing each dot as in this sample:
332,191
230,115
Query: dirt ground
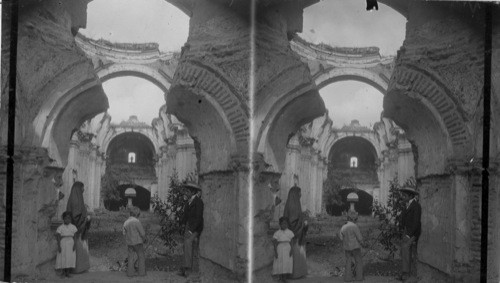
325,255
324,250
107,244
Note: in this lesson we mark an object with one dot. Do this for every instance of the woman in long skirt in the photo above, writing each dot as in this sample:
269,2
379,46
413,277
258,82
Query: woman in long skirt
298,225
81,220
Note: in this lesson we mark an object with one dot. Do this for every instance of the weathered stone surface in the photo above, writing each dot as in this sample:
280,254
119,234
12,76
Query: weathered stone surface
35,203
51,67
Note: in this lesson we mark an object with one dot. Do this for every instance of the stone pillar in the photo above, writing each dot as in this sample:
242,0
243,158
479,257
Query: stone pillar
287,180
305,178
99,171
35,204
406,162
92,178
185,157
84,168
68,176
320,181
387,172
210,95
314,182
166,165
451,211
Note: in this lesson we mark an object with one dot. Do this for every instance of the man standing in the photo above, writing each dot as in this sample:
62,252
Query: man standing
193,221
351,240
410,222
135,237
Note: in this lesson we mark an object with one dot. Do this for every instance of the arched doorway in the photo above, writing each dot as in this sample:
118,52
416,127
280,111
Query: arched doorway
130,162
352,167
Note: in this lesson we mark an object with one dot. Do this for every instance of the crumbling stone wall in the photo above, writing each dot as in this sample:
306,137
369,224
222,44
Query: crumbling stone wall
434,94
49,66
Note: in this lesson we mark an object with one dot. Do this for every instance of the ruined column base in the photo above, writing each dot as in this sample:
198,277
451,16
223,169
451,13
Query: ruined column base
427,273
211,272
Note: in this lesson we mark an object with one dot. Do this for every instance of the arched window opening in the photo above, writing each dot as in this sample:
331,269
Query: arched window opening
131,157
354,162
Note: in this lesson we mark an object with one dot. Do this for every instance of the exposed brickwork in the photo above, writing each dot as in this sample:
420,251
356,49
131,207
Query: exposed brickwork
204,81
415,81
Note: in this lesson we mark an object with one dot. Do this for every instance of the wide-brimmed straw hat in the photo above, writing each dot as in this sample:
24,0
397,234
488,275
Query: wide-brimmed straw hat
409,190
190,185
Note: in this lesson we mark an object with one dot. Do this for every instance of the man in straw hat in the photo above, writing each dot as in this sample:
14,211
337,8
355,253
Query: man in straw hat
410,222
193,221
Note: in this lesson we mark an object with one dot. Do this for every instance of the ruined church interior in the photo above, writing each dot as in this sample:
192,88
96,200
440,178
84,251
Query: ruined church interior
252,98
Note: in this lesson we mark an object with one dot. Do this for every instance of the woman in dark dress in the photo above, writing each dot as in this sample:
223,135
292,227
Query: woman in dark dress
81,220
298,225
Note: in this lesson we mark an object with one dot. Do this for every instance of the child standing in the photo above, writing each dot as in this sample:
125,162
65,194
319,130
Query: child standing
282,240
66,237
135,237
351,238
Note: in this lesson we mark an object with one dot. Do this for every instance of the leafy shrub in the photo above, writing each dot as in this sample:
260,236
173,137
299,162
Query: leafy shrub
171,210
110,182
390,216
332,187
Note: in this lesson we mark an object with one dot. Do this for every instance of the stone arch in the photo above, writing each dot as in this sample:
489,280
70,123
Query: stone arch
123,130
369,77
441,120
280,123
332,64
112,71
59,117
109,62
361,64
205,101
334,139
123,135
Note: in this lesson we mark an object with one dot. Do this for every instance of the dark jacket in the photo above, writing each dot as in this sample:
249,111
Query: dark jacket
193,215
410,220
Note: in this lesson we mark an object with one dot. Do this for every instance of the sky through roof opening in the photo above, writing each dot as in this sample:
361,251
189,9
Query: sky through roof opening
133,96
137,21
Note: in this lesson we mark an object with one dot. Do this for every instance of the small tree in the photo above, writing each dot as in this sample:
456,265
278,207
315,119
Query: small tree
332,187
171,211
390,218
110,182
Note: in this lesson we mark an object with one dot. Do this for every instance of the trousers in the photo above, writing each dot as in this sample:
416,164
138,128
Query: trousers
190,243
141,258
409,256
353,257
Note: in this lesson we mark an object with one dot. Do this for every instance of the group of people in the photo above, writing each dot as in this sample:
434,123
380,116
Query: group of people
72,245
289,240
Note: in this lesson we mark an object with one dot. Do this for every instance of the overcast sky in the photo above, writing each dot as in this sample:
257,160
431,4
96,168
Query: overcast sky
137,21
335,22
133,96
346,23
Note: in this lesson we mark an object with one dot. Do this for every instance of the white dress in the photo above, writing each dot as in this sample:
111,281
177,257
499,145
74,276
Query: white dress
67,257
284,263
